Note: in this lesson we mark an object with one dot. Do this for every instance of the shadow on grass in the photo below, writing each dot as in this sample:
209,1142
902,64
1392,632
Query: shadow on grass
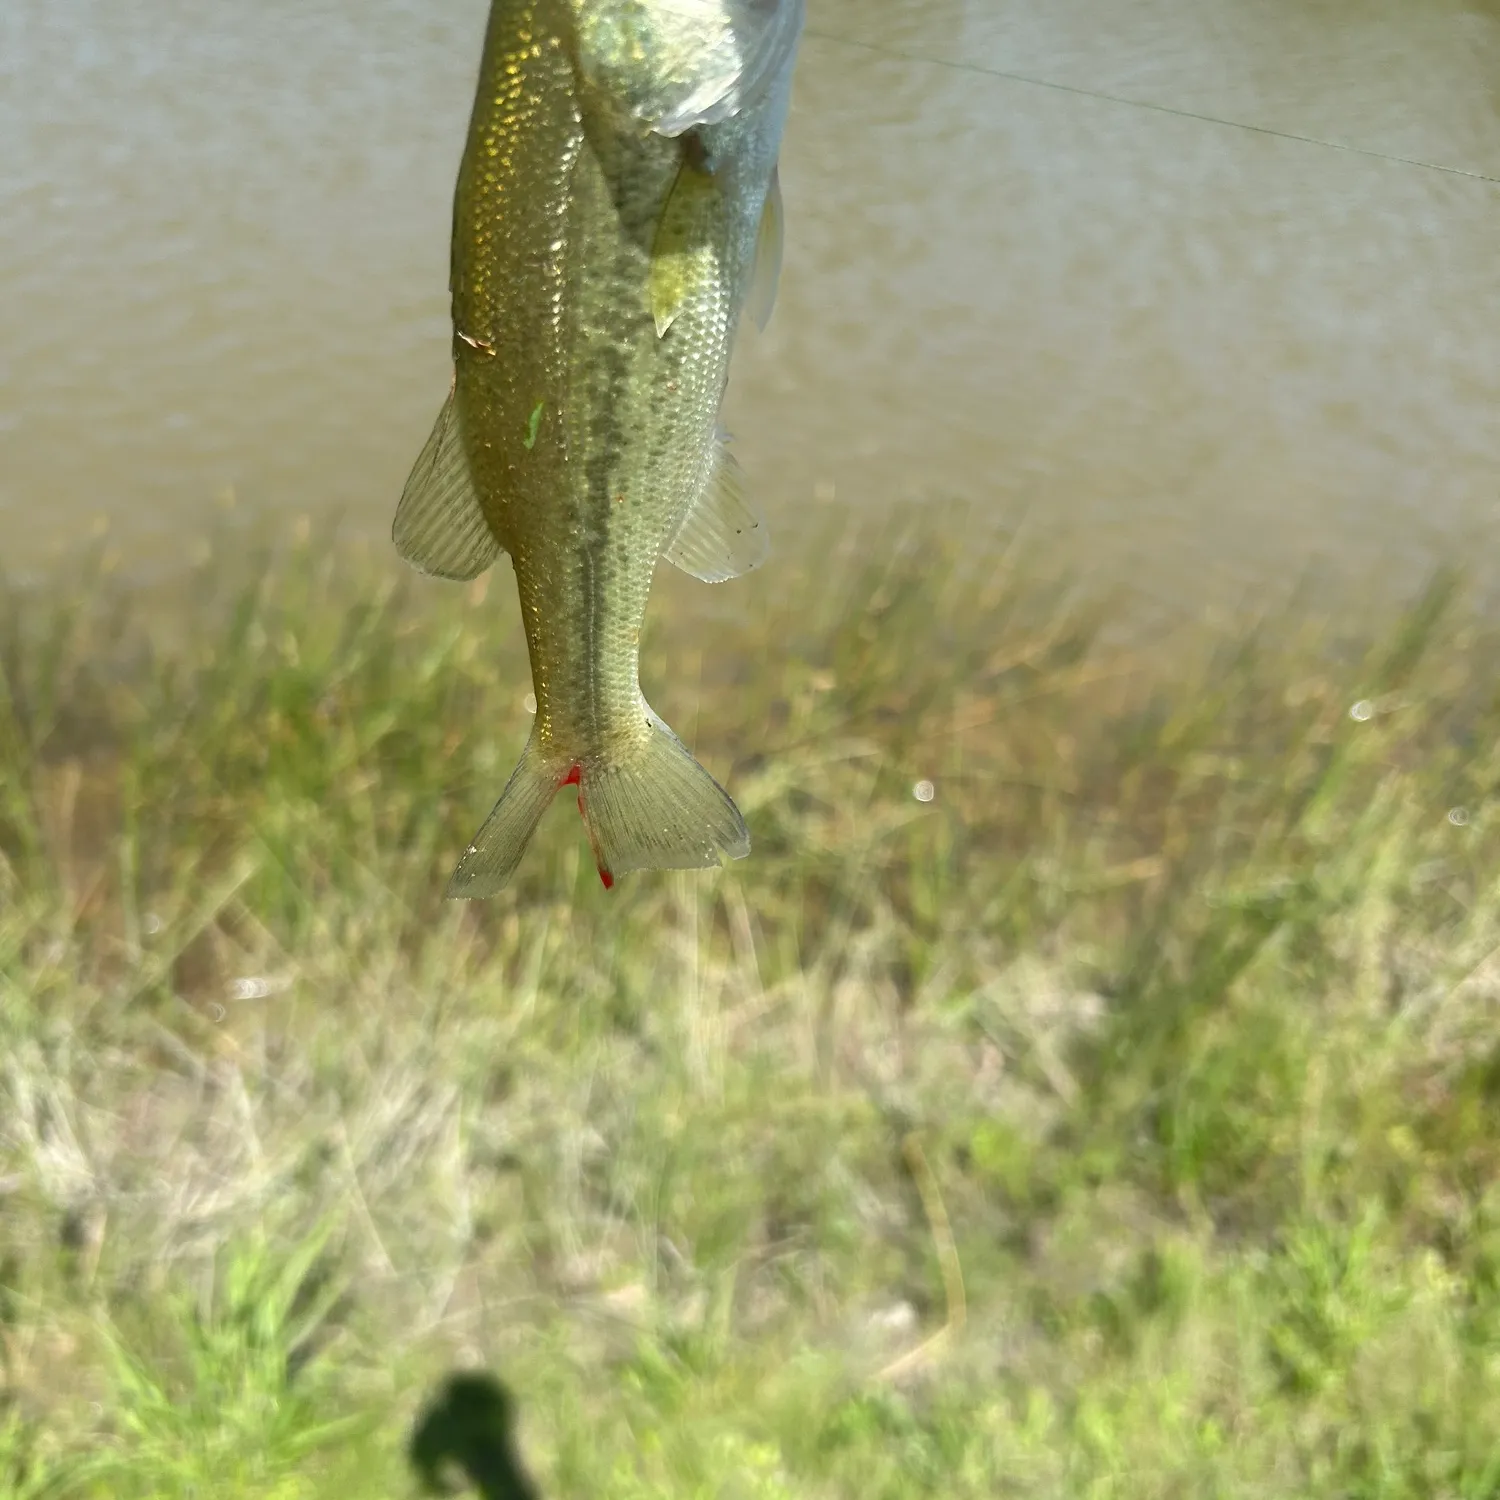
468,1427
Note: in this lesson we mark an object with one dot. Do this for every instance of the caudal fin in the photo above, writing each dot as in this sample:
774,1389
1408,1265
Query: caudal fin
651,807
658,809
492,858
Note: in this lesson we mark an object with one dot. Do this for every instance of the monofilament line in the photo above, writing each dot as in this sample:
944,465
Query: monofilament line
1162,109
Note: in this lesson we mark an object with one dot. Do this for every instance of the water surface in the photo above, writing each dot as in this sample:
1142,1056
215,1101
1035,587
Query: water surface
1203,289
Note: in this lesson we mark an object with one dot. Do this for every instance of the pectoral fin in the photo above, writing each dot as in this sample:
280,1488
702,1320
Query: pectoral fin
716,71
722,536
440,526
765,277
682,251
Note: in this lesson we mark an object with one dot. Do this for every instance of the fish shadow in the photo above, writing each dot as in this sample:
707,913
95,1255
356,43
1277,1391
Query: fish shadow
469,1426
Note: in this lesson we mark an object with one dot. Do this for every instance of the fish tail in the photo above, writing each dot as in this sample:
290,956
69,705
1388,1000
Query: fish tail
656,808
651,808
497,848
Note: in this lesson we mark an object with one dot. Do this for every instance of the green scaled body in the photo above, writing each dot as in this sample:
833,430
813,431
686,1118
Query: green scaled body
616,213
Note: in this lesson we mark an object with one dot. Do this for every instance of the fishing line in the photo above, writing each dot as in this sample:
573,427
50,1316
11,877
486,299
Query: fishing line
1161,109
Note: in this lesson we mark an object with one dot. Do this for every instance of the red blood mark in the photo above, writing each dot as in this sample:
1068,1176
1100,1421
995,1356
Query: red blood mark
575,778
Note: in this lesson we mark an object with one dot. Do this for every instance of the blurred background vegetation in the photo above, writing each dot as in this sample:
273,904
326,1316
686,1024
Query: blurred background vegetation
1088,1085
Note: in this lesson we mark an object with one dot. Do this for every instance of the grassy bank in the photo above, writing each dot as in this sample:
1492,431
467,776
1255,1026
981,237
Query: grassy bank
1121,1121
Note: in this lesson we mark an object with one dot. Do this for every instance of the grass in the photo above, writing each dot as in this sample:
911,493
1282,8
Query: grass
1122,1121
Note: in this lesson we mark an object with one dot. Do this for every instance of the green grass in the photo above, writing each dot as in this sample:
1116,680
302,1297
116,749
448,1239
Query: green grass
1123,1121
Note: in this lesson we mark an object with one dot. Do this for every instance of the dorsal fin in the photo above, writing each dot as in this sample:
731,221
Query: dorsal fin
721,536
766,275
440,526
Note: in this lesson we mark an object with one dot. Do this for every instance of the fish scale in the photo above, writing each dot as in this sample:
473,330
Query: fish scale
615,212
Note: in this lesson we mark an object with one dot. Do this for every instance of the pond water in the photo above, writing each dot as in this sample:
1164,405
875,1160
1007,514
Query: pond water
1201,292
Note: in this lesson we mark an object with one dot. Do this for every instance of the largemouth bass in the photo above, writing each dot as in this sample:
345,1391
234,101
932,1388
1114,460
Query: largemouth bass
616,212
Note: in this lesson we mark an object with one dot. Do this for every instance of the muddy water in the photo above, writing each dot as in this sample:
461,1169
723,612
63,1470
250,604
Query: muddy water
1204,290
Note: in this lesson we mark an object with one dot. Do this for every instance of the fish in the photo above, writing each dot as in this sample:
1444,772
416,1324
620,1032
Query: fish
617,213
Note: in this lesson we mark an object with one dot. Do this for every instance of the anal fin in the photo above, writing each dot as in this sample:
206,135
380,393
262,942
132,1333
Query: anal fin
721,536
440,526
